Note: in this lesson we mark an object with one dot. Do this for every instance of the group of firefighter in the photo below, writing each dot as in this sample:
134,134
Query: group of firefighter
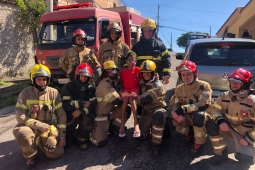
90,107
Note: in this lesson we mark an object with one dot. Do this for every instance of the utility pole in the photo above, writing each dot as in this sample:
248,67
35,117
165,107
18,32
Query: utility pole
210,31
49,29
171,47
158,20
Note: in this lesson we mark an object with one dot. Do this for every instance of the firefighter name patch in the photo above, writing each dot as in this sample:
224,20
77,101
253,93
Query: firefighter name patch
205,94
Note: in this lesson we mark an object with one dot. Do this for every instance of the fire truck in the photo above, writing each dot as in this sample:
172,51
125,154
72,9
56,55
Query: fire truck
57,27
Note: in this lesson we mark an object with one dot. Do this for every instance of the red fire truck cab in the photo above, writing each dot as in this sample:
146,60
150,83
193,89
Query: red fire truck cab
57,28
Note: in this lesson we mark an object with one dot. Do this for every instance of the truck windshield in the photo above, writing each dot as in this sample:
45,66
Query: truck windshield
61,32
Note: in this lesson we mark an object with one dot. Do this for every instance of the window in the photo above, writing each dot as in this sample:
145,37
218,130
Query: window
103,30
62,31
239,54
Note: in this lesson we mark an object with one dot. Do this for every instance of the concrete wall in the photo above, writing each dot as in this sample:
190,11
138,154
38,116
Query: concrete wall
16,43
241,20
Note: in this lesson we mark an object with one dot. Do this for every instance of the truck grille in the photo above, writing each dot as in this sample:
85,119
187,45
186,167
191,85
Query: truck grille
53,61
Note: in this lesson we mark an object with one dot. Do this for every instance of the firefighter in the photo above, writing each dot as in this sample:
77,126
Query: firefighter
41,118
152,100
233,118
113,49
77,54
108,110
151,48
188,105
78,98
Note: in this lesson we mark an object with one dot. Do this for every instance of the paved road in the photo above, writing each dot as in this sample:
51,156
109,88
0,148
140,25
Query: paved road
117,154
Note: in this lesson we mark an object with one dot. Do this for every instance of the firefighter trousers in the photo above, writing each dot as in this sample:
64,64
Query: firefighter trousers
185,128
154,121
30,142
219,143
99,134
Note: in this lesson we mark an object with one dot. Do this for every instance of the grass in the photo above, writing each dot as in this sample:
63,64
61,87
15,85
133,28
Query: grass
3,83
8,101
11,99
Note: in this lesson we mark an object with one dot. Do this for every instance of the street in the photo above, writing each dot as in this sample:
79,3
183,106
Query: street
117,154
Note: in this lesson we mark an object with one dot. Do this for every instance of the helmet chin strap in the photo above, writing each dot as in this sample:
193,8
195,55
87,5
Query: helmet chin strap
40,88
191,81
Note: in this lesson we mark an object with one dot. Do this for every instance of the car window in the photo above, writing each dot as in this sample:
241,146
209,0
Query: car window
238,54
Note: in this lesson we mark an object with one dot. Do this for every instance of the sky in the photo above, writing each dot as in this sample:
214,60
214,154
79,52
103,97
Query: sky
181,16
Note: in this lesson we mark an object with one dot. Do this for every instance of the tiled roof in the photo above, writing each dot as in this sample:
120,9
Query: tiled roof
9,1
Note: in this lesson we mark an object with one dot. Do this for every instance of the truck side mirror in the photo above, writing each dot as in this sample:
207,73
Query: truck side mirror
179,56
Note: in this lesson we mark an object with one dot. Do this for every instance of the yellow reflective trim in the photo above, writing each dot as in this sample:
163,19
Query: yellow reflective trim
22,106
92,99
252,133
29,122
199,134
215,115
144,57
164,52
76,104
167,70
63,126
101,118
66,98
157,136
158,58
86,110
233,118
157,128
59,105
100,99
216,106
45,134
191,108
40,102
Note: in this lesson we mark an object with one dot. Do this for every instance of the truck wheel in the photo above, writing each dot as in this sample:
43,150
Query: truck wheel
169,94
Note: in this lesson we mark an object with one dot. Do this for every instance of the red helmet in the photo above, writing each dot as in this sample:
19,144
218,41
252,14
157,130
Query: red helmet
84,69
79,33
242,75
188,66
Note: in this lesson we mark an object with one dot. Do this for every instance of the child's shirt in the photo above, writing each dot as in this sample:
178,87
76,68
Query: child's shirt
130,78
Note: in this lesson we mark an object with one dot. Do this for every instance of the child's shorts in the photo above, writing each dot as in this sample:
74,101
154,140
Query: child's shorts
130,93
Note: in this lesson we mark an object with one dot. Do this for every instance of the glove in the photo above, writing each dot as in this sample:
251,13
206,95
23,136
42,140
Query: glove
51,142
92,106
37,125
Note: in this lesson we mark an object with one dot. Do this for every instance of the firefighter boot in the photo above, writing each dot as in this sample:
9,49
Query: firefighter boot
218,159
197,150
244,158
31,162
190,137
81,143
155,150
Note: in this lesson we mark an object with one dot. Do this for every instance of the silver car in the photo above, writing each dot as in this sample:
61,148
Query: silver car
216,58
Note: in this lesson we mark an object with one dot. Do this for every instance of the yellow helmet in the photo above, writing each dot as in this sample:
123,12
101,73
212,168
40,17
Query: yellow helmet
39,70
148,66
113,26
109,65
149,23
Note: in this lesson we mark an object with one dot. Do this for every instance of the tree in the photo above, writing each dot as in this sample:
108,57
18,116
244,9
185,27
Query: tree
181,41
30,12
